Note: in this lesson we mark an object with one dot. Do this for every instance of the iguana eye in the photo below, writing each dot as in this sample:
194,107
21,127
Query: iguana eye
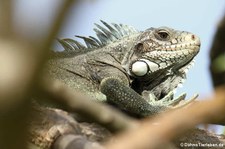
162,35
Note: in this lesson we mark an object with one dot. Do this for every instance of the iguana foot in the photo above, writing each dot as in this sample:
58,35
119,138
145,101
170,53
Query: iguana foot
170,101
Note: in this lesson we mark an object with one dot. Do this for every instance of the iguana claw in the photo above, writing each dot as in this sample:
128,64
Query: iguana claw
178,99
186,102
169,101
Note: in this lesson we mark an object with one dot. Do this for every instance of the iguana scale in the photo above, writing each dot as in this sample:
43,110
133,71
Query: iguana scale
136,71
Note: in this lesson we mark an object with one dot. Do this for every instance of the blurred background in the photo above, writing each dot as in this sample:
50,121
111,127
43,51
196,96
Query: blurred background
199,17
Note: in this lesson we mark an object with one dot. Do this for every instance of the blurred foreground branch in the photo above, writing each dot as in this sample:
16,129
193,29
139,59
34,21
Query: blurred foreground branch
6,18
172,124
76,103
20,65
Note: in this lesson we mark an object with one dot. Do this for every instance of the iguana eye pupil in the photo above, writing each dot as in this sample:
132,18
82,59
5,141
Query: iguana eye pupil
163,35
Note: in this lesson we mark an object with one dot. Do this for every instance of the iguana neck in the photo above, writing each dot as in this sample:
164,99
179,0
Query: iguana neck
121,48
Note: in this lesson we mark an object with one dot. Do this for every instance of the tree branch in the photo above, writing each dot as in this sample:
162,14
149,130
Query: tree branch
6,18
74,102
21,63
172,124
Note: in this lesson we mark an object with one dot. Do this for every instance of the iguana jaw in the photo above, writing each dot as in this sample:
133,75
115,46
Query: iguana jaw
155,81
149,63
158,82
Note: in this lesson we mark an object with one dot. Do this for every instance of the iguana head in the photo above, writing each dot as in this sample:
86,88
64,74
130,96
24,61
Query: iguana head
159,53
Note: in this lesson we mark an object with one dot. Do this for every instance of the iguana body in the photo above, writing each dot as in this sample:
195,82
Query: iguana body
126,67
132,70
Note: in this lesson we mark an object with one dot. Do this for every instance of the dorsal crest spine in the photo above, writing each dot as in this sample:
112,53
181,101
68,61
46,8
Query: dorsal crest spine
105,34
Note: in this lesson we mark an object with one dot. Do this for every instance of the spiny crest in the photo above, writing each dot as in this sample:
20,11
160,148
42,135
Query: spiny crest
105,35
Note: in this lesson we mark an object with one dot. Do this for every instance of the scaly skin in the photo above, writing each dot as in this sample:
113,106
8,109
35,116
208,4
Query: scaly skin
129,69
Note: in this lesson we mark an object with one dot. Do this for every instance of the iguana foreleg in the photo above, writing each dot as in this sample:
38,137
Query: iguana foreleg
127,99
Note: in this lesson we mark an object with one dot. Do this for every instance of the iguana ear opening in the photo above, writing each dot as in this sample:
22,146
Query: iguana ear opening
139,47
142,47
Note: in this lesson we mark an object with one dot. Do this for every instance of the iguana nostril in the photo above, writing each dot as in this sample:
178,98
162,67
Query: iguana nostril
193,37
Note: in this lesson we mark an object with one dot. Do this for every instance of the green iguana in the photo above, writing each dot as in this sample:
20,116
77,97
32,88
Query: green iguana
136,71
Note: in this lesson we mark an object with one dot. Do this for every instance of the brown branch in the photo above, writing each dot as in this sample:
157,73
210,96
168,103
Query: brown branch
56,25
6,18
44,44
74,102
172,124
20,65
